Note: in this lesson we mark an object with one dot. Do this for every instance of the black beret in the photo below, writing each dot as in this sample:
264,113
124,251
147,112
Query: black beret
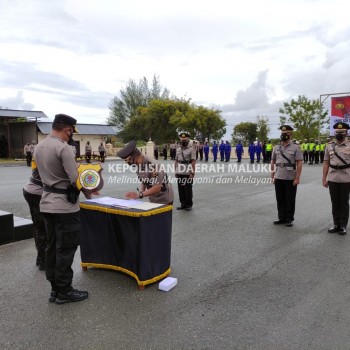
184,134
340,125
65,119
129,150
286,128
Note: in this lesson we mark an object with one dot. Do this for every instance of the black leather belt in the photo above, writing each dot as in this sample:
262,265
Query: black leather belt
345,166
55,190
36,182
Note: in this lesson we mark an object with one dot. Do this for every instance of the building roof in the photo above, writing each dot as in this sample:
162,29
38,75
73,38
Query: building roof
17,113
83,129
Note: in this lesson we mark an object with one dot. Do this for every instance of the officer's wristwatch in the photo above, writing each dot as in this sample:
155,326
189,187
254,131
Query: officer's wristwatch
141,194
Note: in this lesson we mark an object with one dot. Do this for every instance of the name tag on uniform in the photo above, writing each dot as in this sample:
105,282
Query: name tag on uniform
290,168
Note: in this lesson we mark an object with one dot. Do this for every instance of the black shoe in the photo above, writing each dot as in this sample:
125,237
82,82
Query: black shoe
334,229
71,296
180,208
188,208
53,296
289,223
279,222
342,230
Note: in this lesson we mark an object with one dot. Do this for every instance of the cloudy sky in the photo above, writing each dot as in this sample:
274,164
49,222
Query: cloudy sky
243,57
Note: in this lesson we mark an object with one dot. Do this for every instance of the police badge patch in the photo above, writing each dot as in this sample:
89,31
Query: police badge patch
89,176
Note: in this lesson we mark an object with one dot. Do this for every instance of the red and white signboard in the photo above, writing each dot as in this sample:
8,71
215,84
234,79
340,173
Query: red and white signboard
340,111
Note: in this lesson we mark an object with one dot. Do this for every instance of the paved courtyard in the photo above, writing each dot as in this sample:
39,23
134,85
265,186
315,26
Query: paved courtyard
243,283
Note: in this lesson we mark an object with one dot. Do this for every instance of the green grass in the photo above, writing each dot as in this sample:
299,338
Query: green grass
10,160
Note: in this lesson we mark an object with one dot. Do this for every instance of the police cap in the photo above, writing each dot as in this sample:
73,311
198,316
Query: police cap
184,134
340,126
65,119
129,150
286,128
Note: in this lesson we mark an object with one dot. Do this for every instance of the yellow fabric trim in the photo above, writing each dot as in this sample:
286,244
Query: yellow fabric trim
126,212
130,273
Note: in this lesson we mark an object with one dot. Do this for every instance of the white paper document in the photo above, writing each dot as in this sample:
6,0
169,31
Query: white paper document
146,206
115,202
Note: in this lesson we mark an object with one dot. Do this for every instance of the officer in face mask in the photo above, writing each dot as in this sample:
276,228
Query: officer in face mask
286,166
336,176
185,164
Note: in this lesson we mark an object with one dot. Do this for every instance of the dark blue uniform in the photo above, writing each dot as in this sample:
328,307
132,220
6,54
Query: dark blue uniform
239,152
222,151
215,150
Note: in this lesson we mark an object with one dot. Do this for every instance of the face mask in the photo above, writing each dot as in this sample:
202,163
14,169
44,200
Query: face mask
285,137
340,137
184,143
70,138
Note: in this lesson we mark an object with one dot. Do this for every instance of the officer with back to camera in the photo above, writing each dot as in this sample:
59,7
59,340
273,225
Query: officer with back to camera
60,207
336,176
286,166
185,164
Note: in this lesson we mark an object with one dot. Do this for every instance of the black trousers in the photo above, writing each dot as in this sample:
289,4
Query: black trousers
321,156
201,154
317,157
156,155
165,153
311,157
39,231
29,157
268,156
102,156
306,156
340,202
184,185
88,157
62,232
285,196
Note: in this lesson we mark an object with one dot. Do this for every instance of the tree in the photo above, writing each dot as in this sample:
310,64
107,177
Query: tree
201,122
262,128
245,132
162,119
133,96
305,115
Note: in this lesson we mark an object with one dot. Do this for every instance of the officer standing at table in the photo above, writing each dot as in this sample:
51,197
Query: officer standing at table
60,207
336,176
154,180
185,164
286,166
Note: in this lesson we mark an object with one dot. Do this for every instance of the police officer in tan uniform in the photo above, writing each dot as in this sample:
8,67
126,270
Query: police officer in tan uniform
286,166
154,180
185,164
59,206
336,176
28,151
32,193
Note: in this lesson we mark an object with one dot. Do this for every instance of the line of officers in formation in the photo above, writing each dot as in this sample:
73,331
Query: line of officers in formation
53,196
